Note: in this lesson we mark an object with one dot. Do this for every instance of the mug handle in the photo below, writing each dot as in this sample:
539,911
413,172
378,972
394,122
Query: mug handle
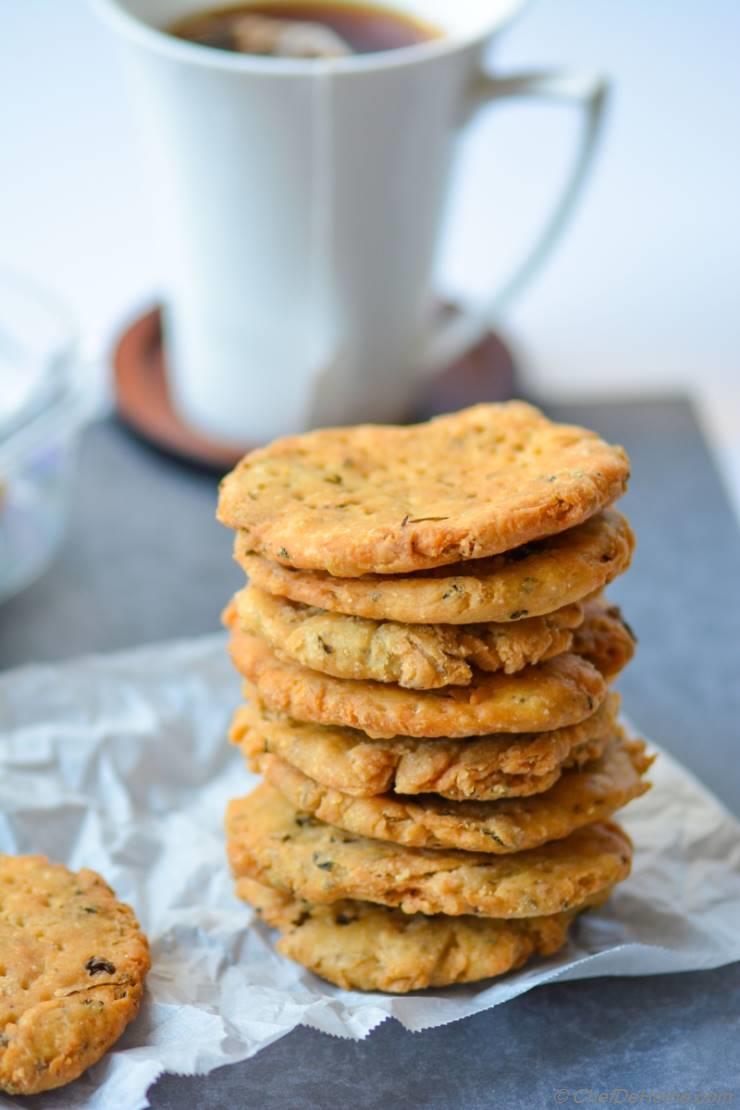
453,337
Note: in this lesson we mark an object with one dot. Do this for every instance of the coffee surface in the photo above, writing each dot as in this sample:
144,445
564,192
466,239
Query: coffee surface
304,29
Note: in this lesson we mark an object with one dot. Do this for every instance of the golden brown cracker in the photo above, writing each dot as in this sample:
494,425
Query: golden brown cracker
559,692
272,842
72,966
415,656
361,946
605,638
529,581
480,768
389,500
583,795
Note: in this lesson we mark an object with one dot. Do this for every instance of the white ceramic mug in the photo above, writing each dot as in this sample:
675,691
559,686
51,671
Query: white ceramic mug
301,202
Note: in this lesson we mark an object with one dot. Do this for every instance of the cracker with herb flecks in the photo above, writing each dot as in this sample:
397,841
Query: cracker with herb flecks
481,768
604,638
73,962
271,841
583,795
388,500
559,692
416,656
361,946
529,581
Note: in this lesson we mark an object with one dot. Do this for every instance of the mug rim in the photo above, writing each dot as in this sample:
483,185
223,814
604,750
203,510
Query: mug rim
115,14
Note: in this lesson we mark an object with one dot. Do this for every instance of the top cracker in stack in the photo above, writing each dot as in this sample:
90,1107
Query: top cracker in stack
427,654
393,500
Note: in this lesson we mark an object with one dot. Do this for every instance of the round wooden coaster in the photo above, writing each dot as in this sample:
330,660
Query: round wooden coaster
143,400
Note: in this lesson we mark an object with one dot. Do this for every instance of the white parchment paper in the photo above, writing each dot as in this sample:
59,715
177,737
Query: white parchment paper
121,763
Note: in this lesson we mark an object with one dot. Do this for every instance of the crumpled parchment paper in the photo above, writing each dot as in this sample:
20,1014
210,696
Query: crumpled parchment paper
121,763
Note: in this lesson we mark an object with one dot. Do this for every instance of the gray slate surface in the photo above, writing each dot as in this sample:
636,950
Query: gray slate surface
145,561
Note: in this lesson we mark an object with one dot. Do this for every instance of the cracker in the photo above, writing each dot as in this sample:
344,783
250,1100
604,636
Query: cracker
480,768
529,581
360,946
605,638
416,656
381,499
72,968
272,842
559,692
591,793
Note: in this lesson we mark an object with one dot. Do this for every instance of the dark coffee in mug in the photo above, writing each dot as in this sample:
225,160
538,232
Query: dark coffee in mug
309,29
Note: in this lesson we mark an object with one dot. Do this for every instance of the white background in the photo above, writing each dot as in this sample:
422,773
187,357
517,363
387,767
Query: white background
641,295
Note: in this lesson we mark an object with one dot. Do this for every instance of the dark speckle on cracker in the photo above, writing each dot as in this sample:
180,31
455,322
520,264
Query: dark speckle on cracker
98,966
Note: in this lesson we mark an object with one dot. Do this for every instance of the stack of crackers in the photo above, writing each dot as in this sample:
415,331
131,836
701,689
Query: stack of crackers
427,655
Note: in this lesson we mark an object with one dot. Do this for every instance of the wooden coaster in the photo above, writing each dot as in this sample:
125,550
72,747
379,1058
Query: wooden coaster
143,399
